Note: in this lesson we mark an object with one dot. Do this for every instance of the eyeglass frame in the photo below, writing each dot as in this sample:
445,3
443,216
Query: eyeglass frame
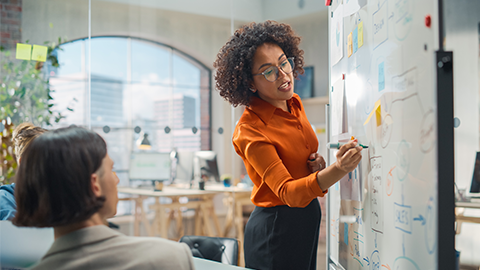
277,69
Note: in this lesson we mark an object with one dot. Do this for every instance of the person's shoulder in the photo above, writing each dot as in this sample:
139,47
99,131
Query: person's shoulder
166,253
167,246
248,117
10,189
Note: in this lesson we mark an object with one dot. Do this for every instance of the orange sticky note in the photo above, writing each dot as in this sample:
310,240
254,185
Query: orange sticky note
23,51
39,53
349,45
377,109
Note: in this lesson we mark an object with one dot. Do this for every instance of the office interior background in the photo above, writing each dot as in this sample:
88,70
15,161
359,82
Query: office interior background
149,63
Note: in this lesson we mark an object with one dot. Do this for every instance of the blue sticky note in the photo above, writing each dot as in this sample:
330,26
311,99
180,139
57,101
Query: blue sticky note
345,233
355,40
381,77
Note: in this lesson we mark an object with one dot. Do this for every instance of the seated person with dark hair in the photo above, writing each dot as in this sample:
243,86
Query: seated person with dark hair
65,181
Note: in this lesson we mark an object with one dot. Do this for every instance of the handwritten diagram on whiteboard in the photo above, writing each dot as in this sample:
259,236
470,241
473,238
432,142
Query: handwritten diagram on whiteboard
387,221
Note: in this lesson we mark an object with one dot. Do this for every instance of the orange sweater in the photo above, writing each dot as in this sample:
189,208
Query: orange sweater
275,146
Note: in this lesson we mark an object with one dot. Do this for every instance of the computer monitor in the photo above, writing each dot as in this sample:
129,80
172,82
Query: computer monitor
475,186
182,167
149,166
205,163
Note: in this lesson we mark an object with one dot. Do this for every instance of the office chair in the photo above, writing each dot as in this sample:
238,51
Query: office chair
220,249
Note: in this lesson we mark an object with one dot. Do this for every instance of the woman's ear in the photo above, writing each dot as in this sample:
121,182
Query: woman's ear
252,88
95,183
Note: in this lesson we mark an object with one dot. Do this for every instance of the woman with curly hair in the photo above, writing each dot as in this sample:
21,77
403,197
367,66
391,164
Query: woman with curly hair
257,68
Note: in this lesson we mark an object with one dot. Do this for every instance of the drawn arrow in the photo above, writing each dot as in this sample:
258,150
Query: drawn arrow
386,266
366,259
420,218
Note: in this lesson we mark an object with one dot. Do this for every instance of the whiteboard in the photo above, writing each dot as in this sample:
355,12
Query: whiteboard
149,166
389,103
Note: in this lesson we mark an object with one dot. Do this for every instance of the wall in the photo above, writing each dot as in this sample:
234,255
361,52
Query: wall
11,17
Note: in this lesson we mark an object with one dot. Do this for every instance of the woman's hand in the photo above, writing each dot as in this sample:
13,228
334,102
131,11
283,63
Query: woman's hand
348,156
315,162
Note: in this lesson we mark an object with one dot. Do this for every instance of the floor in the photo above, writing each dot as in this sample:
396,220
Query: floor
322,256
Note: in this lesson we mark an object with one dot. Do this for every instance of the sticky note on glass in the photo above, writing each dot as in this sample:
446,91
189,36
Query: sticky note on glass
39,53
23,51
377,110
345,233
355,40
381,76
360,34
349,45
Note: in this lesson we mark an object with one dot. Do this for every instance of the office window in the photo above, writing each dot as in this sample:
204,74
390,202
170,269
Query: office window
134,83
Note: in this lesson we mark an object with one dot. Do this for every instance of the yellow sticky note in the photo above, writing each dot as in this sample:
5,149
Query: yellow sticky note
377,109
39,53
378,113
360,34
350,46
23,51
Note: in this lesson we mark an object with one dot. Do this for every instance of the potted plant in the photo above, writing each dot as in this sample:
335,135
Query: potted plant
24,97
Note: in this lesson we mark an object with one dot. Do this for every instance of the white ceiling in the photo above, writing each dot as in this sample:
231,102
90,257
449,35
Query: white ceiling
242,10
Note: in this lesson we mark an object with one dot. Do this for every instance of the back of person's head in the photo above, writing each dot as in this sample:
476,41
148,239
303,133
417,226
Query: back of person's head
54,178
22,135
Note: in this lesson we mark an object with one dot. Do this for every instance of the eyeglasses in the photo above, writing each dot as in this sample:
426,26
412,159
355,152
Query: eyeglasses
271,73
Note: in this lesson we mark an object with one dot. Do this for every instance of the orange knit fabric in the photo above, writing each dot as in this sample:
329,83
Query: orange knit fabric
275,146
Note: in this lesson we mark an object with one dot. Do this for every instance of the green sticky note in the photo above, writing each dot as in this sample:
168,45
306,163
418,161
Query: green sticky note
39,53
23,51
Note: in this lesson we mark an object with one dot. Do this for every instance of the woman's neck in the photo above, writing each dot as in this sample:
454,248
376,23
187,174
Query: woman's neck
94,220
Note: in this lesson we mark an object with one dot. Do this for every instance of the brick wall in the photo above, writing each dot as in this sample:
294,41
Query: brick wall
10,23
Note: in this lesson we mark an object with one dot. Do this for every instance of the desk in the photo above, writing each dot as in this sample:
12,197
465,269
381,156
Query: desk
200,200
202,264
460,214
235,199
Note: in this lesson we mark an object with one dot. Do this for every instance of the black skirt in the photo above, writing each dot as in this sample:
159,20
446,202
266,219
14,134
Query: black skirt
282,237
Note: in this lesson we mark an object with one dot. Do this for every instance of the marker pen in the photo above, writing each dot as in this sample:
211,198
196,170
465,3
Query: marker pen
337,145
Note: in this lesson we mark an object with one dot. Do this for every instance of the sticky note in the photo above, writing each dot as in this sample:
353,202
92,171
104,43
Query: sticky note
23,51
345,233
39,53
377,109
360,34
355,40
378,114
381,76
349,45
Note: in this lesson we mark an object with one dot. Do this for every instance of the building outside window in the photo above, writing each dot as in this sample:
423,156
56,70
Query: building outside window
134,82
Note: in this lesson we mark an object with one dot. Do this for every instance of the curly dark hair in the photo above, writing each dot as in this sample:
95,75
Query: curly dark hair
234,61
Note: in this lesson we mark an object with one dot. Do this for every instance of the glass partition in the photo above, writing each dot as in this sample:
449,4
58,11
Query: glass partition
30,31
